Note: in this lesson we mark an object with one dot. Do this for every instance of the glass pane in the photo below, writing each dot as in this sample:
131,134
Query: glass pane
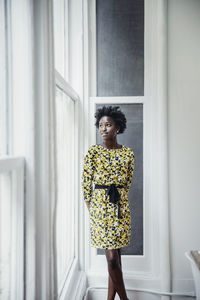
65,185
120,47
5,236
3,76
60,36
133,138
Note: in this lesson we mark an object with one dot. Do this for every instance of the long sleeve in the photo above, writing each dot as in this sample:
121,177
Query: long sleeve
87,175
131,166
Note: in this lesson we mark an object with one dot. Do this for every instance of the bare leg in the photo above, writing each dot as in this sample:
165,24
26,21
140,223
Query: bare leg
111,288
115,272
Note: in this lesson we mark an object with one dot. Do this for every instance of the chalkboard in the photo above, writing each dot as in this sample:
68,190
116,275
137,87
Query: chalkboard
133,138
120,47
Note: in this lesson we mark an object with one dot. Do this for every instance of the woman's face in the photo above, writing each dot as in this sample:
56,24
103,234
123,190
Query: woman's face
107,128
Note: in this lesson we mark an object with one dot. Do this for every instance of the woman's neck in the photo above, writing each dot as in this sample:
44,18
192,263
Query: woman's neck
111,144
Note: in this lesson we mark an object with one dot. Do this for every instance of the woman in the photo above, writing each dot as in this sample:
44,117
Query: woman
110,167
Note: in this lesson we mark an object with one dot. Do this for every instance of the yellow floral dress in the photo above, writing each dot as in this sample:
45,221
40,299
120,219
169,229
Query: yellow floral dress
104,171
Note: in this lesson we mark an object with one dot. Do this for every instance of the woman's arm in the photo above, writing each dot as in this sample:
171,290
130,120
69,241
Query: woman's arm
131,167
87,176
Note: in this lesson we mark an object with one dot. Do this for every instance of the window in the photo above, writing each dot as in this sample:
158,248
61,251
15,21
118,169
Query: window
65,184
34,123
11,180
133,137
66,100
3,75
120,47
61,37
119,74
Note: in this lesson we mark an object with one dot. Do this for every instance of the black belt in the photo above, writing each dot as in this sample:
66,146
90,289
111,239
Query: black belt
112,191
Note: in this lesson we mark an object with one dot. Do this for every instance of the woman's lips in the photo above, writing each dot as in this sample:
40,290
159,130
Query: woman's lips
104,133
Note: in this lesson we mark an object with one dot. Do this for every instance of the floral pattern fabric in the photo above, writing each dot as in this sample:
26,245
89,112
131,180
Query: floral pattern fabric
104,166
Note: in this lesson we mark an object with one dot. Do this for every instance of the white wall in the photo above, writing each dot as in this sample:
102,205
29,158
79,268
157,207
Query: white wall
184,136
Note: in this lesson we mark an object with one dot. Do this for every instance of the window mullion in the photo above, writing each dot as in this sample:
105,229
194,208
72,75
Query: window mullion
65,86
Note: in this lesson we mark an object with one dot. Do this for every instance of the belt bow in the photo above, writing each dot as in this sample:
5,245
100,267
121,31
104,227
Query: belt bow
112,192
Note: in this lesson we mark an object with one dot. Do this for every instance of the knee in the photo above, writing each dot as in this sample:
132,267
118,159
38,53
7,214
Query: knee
113,262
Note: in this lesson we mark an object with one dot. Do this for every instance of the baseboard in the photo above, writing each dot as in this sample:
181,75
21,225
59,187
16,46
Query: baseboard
100,279
184,288
102,294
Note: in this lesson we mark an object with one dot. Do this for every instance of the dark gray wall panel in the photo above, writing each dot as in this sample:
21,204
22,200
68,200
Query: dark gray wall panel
120,47
133,138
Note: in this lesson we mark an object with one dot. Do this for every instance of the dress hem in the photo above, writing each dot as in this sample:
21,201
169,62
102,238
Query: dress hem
108,248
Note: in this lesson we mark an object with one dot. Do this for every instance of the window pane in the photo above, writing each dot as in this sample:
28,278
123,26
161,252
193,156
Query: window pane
60,36
133,138
120,47
3,75
65,184
5,236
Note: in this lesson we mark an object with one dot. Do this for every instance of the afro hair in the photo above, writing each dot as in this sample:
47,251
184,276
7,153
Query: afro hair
113,112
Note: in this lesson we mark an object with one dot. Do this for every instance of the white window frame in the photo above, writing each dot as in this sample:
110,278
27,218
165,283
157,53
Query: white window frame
154,265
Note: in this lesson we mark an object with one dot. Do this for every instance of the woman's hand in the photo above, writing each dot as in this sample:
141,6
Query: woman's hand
88,205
